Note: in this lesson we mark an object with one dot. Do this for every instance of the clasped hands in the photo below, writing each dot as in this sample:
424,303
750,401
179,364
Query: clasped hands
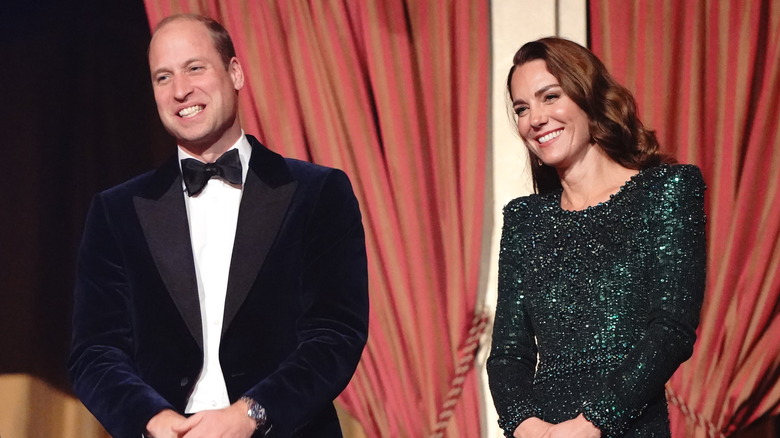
229,422
578,427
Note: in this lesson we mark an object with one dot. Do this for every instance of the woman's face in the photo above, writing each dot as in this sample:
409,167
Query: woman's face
552,126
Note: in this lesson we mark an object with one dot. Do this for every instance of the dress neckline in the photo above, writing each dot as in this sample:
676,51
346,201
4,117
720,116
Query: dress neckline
627,186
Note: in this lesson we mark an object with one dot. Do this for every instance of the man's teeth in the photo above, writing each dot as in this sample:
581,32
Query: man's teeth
191,111
550,136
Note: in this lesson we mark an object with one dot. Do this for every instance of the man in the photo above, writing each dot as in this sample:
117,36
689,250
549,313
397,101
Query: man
218,307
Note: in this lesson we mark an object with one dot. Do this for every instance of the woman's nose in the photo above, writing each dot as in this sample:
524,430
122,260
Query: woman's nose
537,117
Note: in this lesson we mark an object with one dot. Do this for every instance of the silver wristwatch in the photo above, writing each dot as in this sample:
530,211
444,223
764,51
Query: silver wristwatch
257,413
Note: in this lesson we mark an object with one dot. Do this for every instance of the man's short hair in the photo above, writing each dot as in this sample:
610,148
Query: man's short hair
219,35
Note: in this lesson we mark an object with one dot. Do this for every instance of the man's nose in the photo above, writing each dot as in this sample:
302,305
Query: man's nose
181,88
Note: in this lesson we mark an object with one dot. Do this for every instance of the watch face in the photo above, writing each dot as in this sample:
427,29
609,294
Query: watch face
255,412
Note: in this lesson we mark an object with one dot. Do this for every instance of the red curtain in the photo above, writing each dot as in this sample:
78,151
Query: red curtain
395,93
707,78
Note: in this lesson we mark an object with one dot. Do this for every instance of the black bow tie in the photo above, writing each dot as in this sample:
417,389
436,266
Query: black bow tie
197,174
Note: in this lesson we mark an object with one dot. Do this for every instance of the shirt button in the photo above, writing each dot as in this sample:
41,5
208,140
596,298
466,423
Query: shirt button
184,381
213,404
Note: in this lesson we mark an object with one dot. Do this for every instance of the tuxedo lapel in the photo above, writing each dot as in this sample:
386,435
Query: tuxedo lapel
163,217
268,191
267,194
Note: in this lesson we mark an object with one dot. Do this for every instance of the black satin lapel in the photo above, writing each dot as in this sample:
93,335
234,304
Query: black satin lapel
165,225
259,217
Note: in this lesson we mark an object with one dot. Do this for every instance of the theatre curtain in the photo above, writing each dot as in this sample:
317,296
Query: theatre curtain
395,93
707,78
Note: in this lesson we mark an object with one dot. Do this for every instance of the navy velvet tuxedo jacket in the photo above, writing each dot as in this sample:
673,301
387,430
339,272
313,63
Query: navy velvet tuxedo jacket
296,312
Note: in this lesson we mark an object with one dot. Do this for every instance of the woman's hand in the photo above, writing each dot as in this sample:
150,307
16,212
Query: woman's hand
578,427
531,428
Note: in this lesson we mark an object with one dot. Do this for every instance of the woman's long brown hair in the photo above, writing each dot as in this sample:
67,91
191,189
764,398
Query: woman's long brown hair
611,109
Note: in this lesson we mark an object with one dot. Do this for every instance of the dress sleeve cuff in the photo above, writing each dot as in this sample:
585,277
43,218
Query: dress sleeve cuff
516,415
607,417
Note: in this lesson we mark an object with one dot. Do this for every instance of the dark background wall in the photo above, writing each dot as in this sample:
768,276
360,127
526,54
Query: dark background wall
77,115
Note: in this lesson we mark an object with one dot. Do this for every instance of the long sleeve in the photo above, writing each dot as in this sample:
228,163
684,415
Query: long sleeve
103,373
333,328
676,286
513,355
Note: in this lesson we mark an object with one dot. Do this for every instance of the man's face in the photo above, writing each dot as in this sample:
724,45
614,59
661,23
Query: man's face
196,94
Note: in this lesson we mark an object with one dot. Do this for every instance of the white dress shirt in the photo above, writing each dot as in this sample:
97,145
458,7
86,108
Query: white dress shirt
212,216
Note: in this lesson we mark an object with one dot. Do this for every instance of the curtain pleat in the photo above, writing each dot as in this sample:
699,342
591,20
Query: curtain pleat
395,93
706,77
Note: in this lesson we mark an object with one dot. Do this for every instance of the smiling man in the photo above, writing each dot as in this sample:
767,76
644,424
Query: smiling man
225,293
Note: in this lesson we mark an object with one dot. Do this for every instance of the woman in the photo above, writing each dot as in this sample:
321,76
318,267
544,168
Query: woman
601,272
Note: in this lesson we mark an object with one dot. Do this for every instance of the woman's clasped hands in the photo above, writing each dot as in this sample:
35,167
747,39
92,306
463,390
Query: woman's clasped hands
578,427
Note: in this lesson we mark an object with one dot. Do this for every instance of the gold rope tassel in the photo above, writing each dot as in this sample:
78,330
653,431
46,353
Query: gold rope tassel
465,364
712,430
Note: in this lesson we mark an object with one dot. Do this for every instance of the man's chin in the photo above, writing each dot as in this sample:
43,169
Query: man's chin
190,138
198,140
194,144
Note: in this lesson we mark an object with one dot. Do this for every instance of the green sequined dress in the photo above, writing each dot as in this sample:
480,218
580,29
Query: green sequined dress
606,298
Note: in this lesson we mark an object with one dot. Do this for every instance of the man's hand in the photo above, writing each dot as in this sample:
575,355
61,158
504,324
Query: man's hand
161,425
532,428
578,427
230,422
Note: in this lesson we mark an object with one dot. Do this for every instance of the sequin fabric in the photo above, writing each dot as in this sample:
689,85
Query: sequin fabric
598,307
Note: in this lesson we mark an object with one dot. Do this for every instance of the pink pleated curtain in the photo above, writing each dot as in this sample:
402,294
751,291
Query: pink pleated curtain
707,77
395,93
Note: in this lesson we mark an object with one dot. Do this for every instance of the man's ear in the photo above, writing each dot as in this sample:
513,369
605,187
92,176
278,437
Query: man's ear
236,73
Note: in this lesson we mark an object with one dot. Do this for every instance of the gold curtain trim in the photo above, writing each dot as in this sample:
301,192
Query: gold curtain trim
713,431
465,364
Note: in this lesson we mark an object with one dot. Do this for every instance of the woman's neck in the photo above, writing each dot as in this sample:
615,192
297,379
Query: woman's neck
592,181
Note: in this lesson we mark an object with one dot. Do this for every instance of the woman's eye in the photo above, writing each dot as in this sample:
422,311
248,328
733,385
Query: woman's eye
520,110
551,97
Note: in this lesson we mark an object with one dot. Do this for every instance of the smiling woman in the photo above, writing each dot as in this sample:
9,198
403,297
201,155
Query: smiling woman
553,127
595,309
557,72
